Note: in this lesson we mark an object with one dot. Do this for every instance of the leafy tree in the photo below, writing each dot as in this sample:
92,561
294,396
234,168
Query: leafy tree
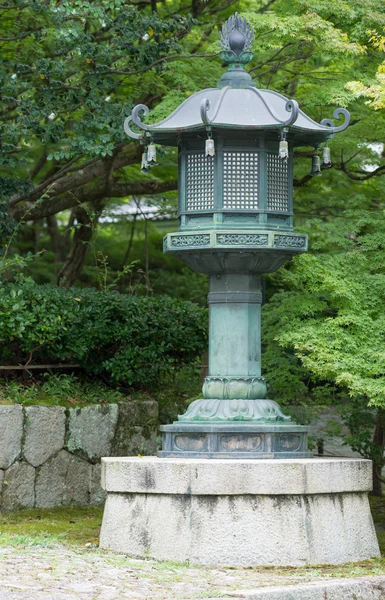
327,326
68,81
72,70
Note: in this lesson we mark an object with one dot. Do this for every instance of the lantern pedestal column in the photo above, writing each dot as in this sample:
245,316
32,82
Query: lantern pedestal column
234,419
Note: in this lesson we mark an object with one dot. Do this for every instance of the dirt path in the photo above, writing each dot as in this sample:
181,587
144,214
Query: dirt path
60,573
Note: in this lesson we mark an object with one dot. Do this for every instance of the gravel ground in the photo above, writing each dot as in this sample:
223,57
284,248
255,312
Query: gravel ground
60,573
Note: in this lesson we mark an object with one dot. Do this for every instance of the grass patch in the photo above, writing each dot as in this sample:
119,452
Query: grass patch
25,540
374,566
72,526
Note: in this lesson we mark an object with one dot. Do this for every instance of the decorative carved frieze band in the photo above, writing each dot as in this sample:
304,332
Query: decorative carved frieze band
190,240
289,241
241,239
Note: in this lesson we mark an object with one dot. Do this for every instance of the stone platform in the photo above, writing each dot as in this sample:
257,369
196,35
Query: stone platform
239,512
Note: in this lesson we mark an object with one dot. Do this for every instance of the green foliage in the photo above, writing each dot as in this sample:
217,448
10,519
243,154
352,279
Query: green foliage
58,389
72,71
15,263
104,270
332,312
61,85
324,330
131,340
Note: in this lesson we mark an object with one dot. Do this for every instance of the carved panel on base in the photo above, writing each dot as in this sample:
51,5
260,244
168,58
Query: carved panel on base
234,441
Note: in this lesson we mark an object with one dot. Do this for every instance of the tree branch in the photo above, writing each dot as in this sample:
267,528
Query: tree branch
266,6
21,36
62,182
97,192
39,165
358,174
142,188
156,62
302,181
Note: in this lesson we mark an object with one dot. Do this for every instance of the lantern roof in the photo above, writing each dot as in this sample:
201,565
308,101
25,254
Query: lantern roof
236,104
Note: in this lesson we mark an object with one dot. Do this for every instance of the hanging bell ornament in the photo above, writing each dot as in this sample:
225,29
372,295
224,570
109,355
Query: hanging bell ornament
210,147
151,154
326,160
283,152
283,149
316,164
145,167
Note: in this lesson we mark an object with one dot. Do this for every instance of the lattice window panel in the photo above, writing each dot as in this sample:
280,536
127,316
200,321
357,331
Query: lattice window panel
277,183
200,182
240,180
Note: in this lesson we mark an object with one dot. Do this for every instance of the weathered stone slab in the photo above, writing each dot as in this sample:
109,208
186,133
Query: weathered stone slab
36,436
362,588
97,494
135,440
63,480
136,429
18,487
239,512
91,430
234,477
11,431
44,433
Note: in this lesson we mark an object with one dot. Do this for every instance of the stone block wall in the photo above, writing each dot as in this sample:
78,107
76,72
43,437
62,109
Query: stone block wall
50,455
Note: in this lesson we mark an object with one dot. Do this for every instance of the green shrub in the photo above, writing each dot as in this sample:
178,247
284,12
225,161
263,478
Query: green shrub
59,389
132,340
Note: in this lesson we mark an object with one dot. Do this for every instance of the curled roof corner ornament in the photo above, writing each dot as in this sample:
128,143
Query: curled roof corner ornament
206,105
330,123
293,108
135,118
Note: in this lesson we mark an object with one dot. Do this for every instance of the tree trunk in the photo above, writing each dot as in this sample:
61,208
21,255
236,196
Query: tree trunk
74,263
59,241
195,8
147,257
379,441
132,233
36,236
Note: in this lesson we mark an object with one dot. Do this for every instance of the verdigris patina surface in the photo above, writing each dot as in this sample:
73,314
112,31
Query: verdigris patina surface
235,224
236,146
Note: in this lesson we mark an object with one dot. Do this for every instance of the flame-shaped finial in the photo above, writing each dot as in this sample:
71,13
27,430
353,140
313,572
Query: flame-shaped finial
236,40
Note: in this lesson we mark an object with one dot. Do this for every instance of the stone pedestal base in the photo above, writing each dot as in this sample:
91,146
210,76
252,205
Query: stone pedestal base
239,512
